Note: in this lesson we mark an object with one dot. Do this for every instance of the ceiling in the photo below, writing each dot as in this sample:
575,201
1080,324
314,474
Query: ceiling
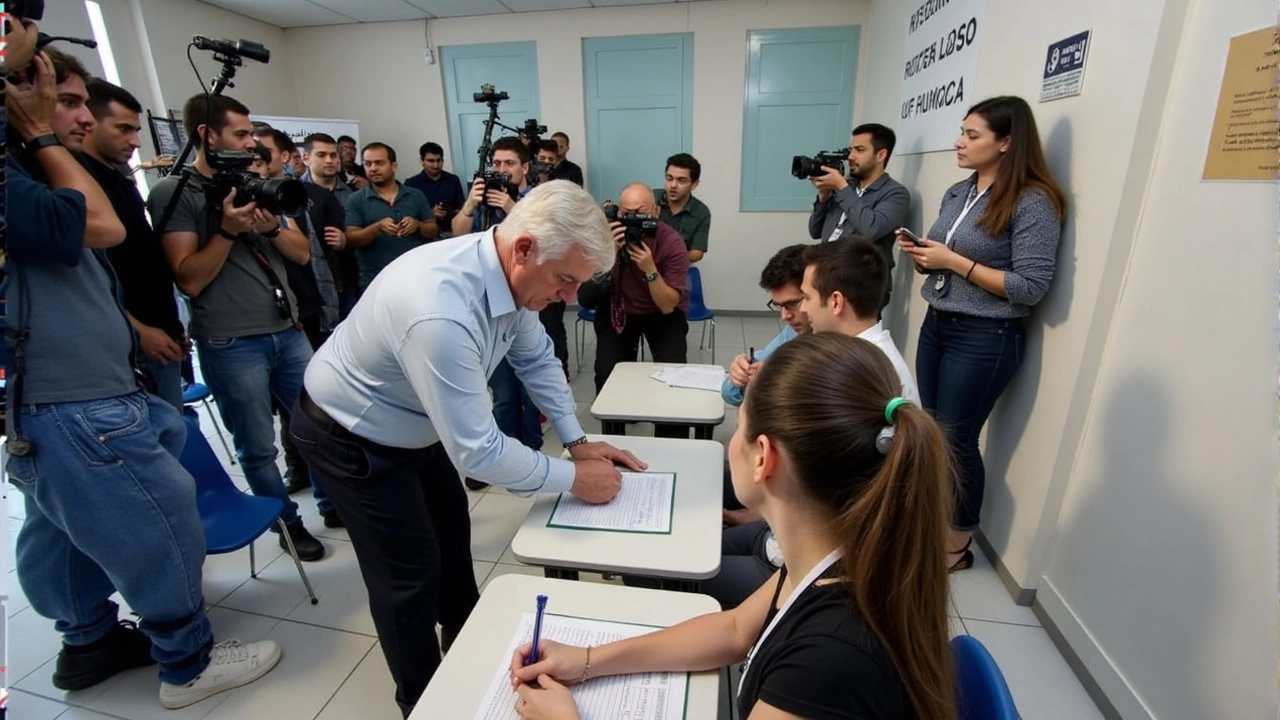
305,13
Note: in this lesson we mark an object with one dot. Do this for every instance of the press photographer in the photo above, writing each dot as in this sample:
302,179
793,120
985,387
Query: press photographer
227,255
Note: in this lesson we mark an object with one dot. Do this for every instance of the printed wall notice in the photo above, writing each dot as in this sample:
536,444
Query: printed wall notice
938,73
1064,68
1244,144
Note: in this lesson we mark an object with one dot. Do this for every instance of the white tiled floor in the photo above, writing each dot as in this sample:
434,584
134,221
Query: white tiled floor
333,667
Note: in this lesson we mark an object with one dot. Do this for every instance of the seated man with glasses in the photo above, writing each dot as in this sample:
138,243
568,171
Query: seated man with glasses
782,277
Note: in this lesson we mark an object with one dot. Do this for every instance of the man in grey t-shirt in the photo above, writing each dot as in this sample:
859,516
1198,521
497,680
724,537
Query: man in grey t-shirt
227,257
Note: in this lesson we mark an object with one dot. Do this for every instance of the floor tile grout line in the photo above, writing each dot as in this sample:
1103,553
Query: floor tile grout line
338,689
293,621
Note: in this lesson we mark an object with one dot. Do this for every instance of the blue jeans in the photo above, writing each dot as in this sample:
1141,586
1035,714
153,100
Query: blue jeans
243,374
963,363
109,507
168,379
513,409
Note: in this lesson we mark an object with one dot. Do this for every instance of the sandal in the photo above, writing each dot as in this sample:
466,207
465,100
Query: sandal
966,557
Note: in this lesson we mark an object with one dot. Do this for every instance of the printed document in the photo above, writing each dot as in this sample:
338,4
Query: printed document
645,696
693,378
644,505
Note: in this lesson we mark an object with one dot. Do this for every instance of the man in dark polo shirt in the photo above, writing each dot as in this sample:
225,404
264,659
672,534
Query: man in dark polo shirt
442,188
648,295
139,261
320,152
686,214
386,219
566,169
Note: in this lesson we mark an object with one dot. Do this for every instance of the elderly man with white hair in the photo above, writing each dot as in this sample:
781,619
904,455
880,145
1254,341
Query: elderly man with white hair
396,404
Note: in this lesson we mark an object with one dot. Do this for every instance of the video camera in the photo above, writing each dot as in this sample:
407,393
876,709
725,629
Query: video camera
639,226
282,196
488,95
810,167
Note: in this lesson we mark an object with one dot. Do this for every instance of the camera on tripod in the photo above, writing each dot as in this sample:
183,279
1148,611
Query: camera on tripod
810,167
639,226
281,196
488,95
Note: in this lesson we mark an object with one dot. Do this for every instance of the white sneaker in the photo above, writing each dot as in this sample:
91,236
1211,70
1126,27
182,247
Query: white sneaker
231,665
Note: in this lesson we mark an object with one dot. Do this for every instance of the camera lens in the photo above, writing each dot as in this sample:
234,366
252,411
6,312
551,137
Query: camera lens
281,196
802,167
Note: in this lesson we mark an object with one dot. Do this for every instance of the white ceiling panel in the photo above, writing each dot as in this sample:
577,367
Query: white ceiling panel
374,10
618,3
460,8
536,5
305,13
284,13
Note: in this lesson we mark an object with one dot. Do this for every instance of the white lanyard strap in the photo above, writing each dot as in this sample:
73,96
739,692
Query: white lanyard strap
803,585
974,196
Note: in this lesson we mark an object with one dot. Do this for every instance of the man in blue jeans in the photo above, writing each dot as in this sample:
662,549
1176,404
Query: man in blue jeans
109,507
228,257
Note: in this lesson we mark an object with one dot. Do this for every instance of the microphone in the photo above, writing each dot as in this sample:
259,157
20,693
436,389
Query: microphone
43,39
240,48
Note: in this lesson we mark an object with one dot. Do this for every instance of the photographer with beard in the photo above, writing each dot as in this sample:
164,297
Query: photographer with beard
875,207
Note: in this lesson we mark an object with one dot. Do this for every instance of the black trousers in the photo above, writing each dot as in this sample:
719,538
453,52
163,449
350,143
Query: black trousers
315,336
666,336
552,317
407,515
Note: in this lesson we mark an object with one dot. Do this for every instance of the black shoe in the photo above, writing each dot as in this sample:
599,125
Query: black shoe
475,484
331,519
83,666
295,481
309,549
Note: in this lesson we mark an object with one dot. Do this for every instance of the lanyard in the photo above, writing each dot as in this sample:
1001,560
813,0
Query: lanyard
803,585
974,197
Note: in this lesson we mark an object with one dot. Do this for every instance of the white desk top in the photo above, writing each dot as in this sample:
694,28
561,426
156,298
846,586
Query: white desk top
631,395
460,684
691,551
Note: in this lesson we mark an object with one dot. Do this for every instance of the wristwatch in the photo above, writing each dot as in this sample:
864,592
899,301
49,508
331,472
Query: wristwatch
575,443
272,233
42,142
651,277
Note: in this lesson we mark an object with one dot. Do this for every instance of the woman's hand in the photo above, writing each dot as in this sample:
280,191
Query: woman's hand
548,701
932,256
562,662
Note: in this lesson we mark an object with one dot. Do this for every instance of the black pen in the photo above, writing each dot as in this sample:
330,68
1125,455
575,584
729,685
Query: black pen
751,358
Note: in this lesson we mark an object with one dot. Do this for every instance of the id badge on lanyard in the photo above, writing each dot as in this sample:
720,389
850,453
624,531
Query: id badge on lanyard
974,196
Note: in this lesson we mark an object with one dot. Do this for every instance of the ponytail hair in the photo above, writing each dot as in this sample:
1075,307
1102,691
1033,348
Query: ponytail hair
823,397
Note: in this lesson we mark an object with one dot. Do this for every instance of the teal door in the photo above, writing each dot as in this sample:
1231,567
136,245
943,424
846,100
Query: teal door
511,68
799,100
639,101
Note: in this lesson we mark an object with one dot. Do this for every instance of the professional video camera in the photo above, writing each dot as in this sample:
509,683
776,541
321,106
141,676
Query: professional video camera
282,196
488,95
809,167
639,225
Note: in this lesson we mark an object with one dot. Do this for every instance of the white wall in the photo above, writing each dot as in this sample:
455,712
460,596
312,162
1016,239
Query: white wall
1099,146
1164,564
405,106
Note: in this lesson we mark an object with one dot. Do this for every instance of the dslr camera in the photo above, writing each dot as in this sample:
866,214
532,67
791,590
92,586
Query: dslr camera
638,225
282,196
488,95
494,180
803,167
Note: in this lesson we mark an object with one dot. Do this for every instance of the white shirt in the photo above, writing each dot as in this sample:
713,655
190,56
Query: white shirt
410,366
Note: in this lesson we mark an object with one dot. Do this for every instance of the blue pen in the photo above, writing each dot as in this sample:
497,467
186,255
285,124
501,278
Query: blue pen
537,631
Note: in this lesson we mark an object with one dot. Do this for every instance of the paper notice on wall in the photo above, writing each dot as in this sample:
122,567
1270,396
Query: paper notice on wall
939,72
1064,68
298,128
1244,142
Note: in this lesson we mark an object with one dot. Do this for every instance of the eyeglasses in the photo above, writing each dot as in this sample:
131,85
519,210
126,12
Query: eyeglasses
790,305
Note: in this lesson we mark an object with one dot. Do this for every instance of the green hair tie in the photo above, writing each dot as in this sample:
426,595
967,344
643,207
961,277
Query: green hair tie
893,406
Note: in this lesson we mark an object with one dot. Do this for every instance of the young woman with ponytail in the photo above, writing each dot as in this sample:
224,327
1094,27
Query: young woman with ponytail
855,483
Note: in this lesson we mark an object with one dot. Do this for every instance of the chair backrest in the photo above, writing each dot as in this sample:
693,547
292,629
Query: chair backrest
697,305
199,459
586,314
981,689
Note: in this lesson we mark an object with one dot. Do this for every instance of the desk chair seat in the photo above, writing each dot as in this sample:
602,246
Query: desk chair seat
231,518
981,689
193,393
699,312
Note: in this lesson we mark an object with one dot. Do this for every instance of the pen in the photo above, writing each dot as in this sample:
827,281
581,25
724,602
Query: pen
752,357
537,631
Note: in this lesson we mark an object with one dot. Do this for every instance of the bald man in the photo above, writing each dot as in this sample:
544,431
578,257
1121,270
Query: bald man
647,293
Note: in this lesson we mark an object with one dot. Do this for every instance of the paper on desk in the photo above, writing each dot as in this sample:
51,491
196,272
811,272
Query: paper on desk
644,696
693,378
644,505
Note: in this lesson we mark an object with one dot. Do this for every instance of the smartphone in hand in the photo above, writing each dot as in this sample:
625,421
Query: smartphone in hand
914,237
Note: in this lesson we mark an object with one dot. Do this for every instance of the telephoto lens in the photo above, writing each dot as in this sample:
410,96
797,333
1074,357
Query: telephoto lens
279,196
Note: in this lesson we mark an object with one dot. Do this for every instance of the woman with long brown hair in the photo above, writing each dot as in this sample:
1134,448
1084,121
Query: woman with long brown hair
855,483
989,259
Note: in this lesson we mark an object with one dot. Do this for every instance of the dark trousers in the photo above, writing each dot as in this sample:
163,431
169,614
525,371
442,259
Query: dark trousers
666,337
963,364
292,459
406,513
552,317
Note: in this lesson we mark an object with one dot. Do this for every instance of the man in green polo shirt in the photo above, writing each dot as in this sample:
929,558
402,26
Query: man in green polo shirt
680,209
385,219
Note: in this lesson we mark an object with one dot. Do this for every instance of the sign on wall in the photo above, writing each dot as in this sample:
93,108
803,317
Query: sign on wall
1064,68
938,73
298,128
1243,144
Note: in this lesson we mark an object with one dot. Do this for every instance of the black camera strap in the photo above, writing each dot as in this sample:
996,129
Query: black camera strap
282,297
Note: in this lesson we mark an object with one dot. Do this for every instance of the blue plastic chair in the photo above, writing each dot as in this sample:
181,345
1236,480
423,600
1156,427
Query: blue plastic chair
981,689
193,393
699,312
231,518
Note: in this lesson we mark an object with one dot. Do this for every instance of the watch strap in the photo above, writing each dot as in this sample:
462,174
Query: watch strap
42,142
651,277
226,234
575,443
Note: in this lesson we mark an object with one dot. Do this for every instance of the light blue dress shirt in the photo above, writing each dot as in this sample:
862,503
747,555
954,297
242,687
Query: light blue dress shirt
731,393
410,366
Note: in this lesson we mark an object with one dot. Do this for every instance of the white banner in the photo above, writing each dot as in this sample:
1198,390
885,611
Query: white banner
938,74
298,128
